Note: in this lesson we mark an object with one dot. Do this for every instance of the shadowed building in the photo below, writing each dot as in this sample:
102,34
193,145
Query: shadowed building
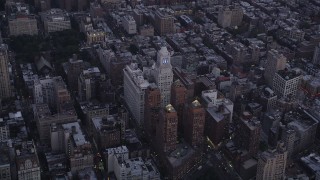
167,129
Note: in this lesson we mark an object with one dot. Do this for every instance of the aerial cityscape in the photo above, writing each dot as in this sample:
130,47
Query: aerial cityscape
160,90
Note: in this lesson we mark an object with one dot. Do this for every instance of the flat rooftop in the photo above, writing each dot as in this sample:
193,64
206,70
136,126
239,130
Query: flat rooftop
76,133
180,154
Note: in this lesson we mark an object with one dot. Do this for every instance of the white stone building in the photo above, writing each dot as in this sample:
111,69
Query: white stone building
134,91
129,24
163,75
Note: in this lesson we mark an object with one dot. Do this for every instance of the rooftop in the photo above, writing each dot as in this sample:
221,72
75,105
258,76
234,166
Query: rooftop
136,76
76,133
180,154
312,161
117,150
300,120
89,106
289,74
215,114
252,123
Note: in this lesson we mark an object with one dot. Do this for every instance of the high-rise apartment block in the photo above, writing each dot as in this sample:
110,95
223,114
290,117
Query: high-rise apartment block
268,99
163,75
134,91
272,164
194,125
219,111
164,23
288,138
88,83
4,131
118,162
248,136
5,84
73,69
20,21
92,110
23,25
214,98
129,24
275,62
178,100
55,20
69,138
27,162
230,16
286,83
108,131
114,154
152,110
167,129
304,127
51,90
44,118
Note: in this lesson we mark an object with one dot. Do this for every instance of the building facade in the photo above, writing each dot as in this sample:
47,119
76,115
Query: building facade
163,75
23,25
134,91
272,164
5,85
27,162
55,20
286,83
88,83
178,100
230,16
74,144
195,122
129,24
4,131
164,23
44,118
167,128
52,91
275,62
152,110
73,70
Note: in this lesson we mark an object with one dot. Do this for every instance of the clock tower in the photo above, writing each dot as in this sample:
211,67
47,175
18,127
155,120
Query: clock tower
164,75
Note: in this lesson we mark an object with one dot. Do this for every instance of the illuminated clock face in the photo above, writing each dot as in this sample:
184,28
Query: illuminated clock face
165,60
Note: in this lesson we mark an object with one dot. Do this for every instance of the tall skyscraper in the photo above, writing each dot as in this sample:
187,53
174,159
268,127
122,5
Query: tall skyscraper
272,164
194,125
134,91
167,129
73,70
275,62
5,87
163,75
178,99
248,135
288,137
152,109
286,83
